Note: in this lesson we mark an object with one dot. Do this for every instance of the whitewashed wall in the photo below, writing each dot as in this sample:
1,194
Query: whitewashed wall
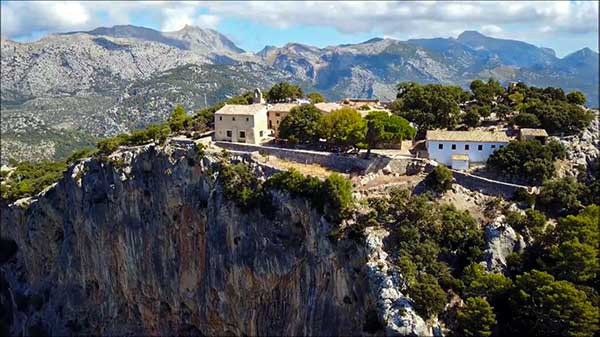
444,155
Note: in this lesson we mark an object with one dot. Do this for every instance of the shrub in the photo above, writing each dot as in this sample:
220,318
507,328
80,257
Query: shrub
315,97
440,179
565,310
110,145
338,191
471,118
333,195
476,318
427,295
557,148
527,120
576,97
298,185
560,196
29,178
522,195
240,185
79,154
178,119
200,150
531,225
480,283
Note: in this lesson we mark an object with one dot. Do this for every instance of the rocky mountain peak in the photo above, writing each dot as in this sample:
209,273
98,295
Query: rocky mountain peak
471,36
204,39
266,51
583,53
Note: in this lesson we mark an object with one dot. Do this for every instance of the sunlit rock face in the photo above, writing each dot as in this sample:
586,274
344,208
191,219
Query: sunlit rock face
146,243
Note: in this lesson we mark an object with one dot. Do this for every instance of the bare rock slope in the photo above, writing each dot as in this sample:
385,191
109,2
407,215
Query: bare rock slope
145,243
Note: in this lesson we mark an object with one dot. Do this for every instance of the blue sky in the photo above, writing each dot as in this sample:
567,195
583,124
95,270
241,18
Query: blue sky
565,26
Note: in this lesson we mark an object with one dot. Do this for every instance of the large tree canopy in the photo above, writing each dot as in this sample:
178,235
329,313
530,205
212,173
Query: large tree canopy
301,125
385,128
545,307
429,106
559,116
283,91
343,128
315,97
526,160
485,93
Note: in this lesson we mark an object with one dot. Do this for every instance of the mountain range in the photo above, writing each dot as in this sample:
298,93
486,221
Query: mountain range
64,90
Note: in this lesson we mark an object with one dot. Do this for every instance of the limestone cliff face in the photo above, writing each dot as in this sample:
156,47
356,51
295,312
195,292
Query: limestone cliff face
146,244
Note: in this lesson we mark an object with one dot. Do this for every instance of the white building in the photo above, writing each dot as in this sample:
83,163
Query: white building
242,123
458,149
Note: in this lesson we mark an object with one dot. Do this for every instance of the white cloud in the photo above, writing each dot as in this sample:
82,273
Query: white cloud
533,19
207,21
24,17
491,30
422,18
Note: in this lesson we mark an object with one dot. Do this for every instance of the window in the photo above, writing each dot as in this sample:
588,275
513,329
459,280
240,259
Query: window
242,134
440,146
247,119
453,146
220,118
270,124
466,146
277,114
232,118
260,133
501,146
493,146
228,133
480,147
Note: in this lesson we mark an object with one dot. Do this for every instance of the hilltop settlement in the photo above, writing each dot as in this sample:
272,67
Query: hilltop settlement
513,135
443,212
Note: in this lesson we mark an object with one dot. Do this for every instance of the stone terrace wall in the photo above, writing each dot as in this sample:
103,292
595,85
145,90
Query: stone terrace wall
376,165
337,162
486,186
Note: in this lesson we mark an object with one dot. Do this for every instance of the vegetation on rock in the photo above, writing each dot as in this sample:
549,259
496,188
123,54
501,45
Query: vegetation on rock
476,318
438,250
439,179
29,179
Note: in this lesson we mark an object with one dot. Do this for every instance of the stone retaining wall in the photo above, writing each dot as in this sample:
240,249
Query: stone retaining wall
486,186
376,165
331,160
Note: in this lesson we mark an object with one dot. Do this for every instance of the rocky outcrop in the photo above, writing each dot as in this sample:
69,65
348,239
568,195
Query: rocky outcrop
501,240
146,243
583,149
395,308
